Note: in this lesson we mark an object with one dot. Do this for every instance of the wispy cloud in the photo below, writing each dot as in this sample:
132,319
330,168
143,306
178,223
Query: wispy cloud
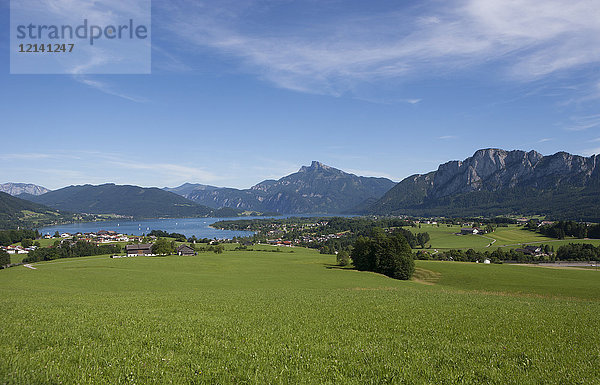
524,39
33,156
544,140
115,56
446,137
172,171
108,89
582,123
26,156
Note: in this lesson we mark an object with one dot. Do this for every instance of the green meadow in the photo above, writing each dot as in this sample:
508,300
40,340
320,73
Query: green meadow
444,237
259,317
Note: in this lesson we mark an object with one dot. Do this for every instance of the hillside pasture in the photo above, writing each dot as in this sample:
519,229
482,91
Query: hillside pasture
281,318
444,238
516,279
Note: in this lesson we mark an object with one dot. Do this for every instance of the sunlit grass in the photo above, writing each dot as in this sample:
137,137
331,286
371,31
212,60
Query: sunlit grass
288,318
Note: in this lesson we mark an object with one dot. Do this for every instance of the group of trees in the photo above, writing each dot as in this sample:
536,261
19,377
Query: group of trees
563,229
178,237
570,252
217,248
8,237
163,246
193,239
578,252
388,254
470,255
4,258
70,250
163,234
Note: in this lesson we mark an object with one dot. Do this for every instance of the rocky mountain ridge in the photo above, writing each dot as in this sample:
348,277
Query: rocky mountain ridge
493,177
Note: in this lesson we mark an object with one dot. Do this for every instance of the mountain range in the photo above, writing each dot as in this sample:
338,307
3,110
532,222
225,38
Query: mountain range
498,182
317,188
126,200
16,189
491,182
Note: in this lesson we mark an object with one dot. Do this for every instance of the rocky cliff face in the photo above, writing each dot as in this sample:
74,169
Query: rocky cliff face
15,189
317,188
492,171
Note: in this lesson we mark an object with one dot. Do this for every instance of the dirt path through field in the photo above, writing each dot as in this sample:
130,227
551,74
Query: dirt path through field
491,239
27,265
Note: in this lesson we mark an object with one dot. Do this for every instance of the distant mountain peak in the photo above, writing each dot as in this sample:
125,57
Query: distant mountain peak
316,165
317,188
188,188
15,189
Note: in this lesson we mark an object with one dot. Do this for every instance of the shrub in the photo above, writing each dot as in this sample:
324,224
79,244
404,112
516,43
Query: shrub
4,258
343,258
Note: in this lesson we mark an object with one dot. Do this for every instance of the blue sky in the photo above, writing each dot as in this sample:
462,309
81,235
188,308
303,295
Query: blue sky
246,91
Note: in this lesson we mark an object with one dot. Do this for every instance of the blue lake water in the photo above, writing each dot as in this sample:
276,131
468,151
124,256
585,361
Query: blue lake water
200,227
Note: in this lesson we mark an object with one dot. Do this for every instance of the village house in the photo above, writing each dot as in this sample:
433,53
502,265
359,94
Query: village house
185,250
469,231
142,249
18,250
531,250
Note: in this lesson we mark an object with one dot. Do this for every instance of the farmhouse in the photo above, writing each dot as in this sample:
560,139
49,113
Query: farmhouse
140,249
469,231
531,250
185,250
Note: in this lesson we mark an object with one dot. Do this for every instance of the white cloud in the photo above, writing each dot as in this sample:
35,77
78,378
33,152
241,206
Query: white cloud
446,137
107,89
592,151
544,140
25,156
582,123
526,39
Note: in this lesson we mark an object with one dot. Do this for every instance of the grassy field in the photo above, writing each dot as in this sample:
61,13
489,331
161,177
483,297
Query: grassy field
294,318
444,237
515,279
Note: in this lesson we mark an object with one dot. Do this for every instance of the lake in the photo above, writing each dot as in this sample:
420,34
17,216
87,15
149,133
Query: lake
200,227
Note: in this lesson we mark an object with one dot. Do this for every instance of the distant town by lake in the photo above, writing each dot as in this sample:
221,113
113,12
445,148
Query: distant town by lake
200,227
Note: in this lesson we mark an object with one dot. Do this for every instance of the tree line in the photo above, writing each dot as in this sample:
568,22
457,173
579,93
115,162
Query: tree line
578,252
563,229
9,237
570,252
70,250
